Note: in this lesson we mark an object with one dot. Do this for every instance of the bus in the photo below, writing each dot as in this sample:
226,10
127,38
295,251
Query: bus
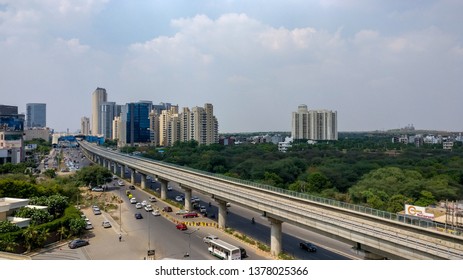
223,250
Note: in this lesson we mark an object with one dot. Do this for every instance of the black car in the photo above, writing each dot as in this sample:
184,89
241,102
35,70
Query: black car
243,253
76,243
307,246
138,216
132,187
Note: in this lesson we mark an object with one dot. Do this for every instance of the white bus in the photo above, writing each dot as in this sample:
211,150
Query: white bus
223,250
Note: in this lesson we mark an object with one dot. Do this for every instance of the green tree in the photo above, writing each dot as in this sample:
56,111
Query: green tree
30,235
426,199
6,226
76,226
62,231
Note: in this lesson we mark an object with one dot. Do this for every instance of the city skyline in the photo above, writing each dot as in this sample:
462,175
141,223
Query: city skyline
380,64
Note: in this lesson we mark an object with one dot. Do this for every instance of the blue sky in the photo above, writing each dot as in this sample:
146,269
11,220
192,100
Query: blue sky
379,64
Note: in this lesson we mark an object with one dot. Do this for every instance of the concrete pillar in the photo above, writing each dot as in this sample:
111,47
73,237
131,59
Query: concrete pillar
163,188
275,236
115,168
143,181
187,197
132,177
108,163
222,219
122,171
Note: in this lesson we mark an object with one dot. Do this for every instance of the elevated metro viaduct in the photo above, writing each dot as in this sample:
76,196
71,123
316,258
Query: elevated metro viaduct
378,234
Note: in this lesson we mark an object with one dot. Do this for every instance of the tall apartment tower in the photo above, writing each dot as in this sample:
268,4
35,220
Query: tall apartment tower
204,126
98,97
314,124
36,115
108,111
85,126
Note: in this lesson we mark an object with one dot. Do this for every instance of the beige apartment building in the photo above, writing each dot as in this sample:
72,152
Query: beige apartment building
314,124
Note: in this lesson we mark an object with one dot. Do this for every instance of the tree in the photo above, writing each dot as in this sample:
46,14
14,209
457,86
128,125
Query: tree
426,199
8,243
62,231
76,226
30,237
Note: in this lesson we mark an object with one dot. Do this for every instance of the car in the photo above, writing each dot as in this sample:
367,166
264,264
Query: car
208,238
88,225
138,205
138,216
156,213
152,199
181,226
127,192
132,187
181,212
133,200
96,211
243,253
195,199
202,209
178,198
97,189
190,215
228,204
76,243
120,183
148,208
106,224
167,209
307,246
169,188
84,218
144,203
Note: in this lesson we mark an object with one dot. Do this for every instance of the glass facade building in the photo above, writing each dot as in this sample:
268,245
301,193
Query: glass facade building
138,122
36,115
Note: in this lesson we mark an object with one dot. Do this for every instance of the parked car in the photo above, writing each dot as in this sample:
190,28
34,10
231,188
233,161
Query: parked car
138,206
178,198
169,188
152,199
208,238
307,246
181,212
138,216
181,226
76,243
106,224
190,215
97,189
96,211
156,213
88,225
120,183
167,209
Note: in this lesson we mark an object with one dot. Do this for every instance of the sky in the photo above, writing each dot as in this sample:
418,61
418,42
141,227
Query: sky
380,64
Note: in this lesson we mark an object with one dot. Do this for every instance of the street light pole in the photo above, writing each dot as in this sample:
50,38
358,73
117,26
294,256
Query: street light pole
189,242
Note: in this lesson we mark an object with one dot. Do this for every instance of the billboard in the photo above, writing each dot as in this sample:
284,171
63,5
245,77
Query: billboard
418,211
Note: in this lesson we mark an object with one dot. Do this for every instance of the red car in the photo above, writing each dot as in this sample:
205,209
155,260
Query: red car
190,215
181,226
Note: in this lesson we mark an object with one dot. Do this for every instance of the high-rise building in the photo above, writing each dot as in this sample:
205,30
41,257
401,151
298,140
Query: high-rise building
36,115
116,128
11,135
85,126
8,110
98,97
204,126
108,110
135,123
314,124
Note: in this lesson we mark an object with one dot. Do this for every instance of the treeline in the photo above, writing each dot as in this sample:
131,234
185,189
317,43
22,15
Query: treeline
363,169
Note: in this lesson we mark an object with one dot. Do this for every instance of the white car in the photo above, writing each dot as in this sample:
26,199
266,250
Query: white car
138,206
120,183
148,208
202,209
152,199
208,238
144,203
106,224
156,213
133,200
169,188
178,198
